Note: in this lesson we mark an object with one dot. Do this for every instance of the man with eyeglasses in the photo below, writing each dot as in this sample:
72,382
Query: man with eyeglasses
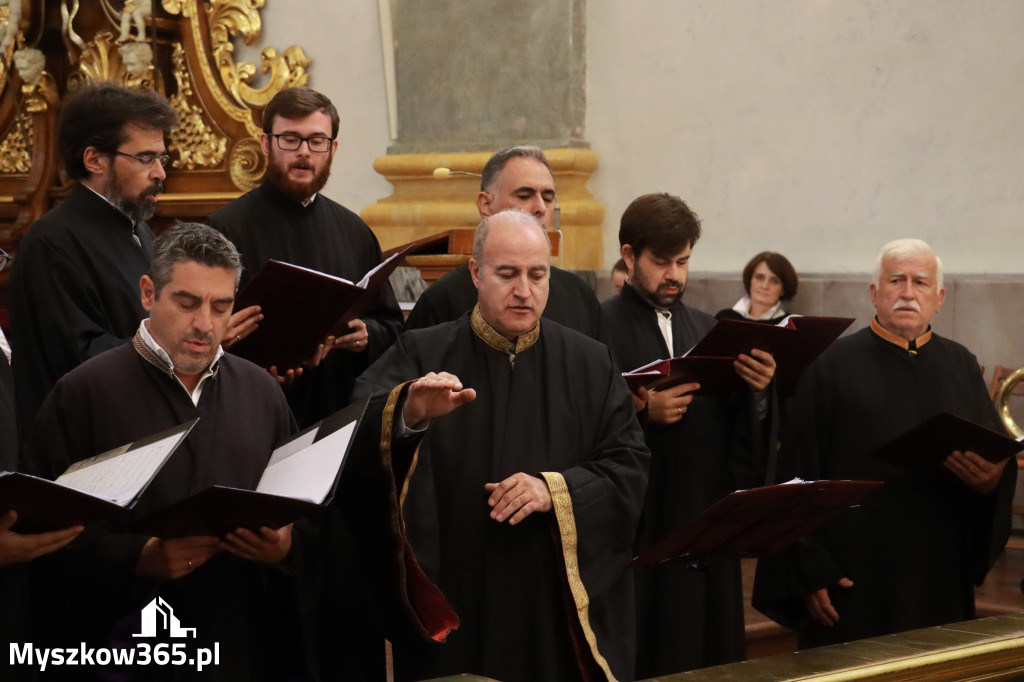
287,219
74,284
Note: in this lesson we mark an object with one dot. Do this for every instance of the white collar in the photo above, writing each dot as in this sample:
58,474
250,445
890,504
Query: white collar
743,308
153,346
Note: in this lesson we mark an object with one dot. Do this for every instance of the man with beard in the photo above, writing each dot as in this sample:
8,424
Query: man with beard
702,448
514,177
172,371
74,286
863,574
286,219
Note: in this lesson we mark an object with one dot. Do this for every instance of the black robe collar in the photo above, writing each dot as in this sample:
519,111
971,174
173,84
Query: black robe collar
896,340
152,358
103,210
498,342
276,196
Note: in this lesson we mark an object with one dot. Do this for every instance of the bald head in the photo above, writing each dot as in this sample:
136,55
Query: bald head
510,268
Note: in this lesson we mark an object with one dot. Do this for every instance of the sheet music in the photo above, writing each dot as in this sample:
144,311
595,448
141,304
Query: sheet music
309,473
642,368
119,474
303,440
317,272
366,278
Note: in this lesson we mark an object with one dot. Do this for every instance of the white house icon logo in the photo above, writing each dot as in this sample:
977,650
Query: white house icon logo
158,616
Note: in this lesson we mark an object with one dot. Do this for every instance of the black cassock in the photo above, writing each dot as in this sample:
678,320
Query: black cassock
89,592
687,617
14,604
571,302
562,412
74,292
915,547
265,224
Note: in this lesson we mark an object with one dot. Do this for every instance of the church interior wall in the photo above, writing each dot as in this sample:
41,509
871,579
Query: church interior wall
816,129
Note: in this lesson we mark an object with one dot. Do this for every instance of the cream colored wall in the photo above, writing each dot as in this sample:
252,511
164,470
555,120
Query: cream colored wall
819,128
343,40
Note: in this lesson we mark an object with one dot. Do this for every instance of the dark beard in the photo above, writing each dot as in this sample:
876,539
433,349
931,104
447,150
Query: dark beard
299,191
138,208
657,298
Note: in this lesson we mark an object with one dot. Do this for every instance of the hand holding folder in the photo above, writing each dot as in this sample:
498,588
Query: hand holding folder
925,447
301,307
793,343
300,479
93,489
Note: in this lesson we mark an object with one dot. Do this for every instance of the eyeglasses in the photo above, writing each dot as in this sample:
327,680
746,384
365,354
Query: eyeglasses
290,142
4,259
147,158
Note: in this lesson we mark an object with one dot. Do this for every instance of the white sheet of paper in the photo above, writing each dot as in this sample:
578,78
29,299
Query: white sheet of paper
366,278
292,446
119,478
309,473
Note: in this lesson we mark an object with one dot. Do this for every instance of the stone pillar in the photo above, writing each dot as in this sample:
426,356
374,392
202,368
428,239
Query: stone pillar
473,76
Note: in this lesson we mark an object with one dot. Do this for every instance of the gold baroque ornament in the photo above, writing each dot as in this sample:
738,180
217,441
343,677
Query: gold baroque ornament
95,63
247,164
16,149
194,141
228,18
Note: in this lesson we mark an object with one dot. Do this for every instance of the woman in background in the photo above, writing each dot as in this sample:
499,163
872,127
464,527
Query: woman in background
769,279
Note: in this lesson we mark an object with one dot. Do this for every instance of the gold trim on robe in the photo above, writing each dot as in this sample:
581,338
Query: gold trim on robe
561,504
498,342
897,340
413,583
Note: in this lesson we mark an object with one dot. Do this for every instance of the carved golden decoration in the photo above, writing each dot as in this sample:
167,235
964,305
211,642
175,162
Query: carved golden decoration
16,148
194,141
248,164
228,18
37,98
99,62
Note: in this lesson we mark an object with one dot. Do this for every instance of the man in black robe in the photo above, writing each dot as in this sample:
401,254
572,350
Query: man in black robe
16,548
910,553
173,371
514,177
286,219
75,282
521,504
702,448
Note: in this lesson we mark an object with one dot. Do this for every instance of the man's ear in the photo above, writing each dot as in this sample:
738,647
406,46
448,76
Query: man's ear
95,161
474,271
628,257
148,290
265,144
484,201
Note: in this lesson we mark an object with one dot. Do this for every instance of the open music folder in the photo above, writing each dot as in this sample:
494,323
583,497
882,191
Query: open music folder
299,479
301,307
756,522
926,446
716,376
794,342
93,489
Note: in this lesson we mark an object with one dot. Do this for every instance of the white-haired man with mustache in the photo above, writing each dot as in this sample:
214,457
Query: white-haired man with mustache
909,556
